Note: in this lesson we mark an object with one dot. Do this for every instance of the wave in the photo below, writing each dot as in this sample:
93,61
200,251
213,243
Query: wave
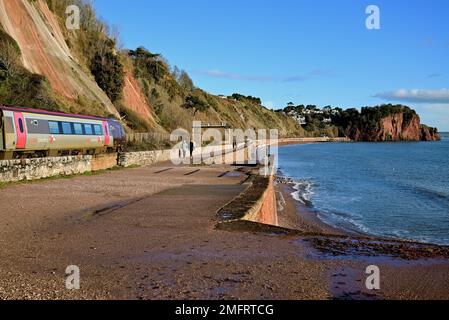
427,192
343,220
432,193
304,192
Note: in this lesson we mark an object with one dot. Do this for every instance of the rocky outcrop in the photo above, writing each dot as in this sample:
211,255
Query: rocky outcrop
429,134
395,127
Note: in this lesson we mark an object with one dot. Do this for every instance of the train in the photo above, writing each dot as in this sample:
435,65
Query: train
33,133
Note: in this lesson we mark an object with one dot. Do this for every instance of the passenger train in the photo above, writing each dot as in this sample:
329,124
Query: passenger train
31,133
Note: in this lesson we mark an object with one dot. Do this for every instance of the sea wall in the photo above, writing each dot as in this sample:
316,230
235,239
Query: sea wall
264,210
288,141
40,168
268,211
144,158
256,204
34,169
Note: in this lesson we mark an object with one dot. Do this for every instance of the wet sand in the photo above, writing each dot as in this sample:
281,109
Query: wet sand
145,233
409,276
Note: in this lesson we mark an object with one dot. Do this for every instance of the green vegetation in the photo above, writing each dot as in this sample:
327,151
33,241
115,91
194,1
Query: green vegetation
170,93
369,117
243,98
176,100
334,122
132,119
196,102
108,70
148,65
17,85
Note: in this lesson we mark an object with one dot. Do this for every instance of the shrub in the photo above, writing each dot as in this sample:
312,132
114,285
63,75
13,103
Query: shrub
196,103
108,70
148,65
133,120
9,56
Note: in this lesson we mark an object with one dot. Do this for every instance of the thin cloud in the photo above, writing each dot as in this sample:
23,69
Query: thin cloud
416,95
233,76
261,78
435,75
295,79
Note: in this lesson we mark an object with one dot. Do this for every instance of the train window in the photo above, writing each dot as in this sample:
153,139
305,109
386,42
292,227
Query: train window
54,127
78,128
21,125
98,130
67,128
88,129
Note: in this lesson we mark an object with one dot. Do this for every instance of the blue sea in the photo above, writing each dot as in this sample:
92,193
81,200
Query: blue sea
397,190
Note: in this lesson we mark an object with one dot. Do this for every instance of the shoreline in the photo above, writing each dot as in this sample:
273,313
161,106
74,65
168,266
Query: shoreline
299,216
153,234
337,241
143,247
305,210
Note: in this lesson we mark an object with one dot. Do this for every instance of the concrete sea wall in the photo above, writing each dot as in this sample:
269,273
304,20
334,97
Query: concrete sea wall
267,213
256,204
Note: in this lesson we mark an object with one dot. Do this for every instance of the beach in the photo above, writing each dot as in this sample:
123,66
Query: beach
413,277
153,233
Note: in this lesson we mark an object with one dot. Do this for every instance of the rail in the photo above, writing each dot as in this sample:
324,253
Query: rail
147,136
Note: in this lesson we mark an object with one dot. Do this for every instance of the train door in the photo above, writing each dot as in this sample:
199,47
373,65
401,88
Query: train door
20,130
106,133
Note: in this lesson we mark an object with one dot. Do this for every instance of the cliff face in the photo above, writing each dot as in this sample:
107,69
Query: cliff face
394,127
77,71
45,51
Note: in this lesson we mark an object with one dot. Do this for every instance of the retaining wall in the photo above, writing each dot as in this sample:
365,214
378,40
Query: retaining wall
33,169
104,161
145,158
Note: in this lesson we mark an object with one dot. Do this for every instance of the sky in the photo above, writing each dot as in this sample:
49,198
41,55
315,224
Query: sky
306,52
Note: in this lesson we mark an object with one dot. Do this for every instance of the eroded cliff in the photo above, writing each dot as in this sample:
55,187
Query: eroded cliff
404,126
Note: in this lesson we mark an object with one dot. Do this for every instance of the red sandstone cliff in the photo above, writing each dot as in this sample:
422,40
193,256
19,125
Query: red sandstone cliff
44,51
394,128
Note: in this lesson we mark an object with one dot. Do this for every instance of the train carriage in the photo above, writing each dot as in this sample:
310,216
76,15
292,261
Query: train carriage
30,133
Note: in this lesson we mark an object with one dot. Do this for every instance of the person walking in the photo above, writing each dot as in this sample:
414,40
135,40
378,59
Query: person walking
192,148
184,148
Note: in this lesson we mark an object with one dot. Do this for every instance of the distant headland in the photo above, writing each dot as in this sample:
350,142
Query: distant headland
372,124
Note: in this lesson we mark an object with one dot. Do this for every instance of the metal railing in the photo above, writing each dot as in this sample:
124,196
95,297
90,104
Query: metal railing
148,137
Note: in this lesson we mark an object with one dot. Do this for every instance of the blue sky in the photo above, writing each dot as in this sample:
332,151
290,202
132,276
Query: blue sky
308,52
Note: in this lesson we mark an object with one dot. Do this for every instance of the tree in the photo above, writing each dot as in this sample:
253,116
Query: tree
9,56
185,81
149,65
108,70
195,103
327,109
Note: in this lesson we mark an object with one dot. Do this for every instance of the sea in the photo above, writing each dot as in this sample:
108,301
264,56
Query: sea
396,190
